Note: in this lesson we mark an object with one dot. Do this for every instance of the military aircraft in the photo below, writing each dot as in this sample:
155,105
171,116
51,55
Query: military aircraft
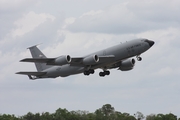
118,56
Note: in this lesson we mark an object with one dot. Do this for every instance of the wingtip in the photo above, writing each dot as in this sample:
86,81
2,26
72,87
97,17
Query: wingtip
17,72
23,60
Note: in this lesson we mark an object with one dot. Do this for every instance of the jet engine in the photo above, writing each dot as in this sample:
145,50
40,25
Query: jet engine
62,60
91,60
127,64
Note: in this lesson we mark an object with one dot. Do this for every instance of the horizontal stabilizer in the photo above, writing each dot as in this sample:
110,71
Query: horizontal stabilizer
32,73
38,60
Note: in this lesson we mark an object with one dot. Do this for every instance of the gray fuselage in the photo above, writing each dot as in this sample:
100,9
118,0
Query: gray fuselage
121,52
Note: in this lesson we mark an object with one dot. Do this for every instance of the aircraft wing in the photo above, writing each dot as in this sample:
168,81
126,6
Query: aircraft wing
102,59
49,61
32,73
74,61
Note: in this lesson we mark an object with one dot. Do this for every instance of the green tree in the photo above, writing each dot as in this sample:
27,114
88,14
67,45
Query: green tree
61,114
107,110
91,116
46,116
126,116
8,117
74,115
105,113
151,117
28,116
99,114
170,116
160,117
139,116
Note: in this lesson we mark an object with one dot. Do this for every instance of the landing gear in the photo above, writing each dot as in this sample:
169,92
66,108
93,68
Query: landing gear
139,58
88,72
102,74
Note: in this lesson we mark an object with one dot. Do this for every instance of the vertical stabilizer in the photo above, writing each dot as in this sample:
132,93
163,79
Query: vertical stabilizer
36,53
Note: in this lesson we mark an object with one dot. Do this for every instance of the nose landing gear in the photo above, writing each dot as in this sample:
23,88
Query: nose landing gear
139,58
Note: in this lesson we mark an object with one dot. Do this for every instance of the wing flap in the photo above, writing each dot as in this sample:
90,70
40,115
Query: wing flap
76,61
102,59
106,58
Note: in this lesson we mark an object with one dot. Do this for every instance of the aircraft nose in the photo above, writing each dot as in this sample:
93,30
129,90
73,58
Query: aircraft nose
150,42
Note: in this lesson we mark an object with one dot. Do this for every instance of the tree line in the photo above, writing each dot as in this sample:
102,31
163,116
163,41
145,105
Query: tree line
106,112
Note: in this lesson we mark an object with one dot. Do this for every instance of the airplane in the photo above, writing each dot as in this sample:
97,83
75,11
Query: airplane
118,56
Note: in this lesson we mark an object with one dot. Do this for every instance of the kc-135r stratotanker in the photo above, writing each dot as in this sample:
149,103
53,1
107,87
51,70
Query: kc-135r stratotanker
118,56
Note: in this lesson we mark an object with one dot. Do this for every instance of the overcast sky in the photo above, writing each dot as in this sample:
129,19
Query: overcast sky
77,28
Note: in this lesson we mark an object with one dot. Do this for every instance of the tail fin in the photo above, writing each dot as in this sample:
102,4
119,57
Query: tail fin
36,53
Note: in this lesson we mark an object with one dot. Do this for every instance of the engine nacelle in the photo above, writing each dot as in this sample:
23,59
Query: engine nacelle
91,60
62,60
127,65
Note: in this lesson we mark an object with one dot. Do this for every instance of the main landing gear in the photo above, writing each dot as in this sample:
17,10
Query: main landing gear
88,72
102,74
139,58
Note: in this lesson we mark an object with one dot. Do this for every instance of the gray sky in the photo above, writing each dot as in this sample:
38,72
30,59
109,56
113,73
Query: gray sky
79,27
